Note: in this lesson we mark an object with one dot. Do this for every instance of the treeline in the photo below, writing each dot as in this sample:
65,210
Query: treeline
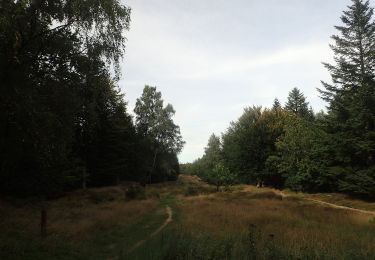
291,147
63,122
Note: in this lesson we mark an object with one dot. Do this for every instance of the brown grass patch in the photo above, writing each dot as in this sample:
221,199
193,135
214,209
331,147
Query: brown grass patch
292,222
342,200
76,215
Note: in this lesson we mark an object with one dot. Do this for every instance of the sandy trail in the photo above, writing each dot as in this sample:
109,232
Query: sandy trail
341,207
332,205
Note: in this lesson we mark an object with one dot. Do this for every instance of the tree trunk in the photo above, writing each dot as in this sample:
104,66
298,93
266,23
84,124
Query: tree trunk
117,179
84,185
43,221
153,164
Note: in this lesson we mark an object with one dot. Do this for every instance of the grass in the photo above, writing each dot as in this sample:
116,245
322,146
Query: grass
243,223
296,227
343,200
83,225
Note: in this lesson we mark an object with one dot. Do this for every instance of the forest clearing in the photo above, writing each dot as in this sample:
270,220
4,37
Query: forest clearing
243,222
96,162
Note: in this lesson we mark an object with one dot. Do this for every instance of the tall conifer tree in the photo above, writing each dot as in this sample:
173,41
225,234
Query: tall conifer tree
298,105
351,97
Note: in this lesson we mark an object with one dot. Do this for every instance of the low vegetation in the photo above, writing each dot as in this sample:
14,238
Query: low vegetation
243,223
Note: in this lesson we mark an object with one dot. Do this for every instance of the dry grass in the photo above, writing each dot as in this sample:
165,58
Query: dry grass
342,200
294,223
105,217
78,214
182,187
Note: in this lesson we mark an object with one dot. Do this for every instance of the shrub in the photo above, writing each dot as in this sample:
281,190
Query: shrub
191,191
135,192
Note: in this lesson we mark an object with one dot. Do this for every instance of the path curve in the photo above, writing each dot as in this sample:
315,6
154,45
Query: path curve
157,231
334,205
341,207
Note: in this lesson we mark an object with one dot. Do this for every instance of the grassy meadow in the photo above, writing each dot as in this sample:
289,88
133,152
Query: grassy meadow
241,223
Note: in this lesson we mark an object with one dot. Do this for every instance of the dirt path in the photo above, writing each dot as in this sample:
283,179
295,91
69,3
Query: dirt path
341,207
157,231
334,205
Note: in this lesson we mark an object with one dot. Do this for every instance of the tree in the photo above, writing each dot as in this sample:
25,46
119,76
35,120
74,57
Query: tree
213,150
46,53
250,141
110,156
154,124
297,104
221,175
241,144
351,97
45,50
301,157
276,104
204,166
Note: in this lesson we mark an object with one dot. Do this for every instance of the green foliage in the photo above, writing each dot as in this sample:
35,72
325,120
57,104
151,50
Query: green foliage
351,97
154,121
63,121
297,105
294,148
241,145
204,166
160,135
250,141
302,152
55,78
221,176
359,183
276,105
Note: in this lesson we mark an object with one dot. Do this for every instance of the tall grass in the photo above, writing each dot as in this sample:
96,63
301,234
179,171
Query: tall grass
296,228
250,244
246,223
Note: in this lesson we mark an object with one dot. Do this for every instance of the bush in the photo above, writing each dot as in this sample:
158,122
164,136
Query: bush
104,195
191,191
135,192
153,194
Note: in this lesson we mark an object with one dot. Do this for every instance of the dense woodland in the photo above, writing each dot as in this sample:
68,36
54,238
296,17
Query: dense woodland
290,146
64,123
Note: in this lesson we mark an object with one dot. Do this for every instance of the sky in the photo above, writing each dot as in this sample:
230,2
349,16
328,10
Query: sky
212,58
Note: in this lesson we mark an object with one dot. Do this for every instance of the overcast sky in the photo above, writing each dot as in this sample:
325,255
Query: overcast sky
212,58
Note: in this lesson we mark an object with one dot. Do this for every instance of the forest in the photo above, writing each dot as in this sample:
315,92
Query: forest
64,121
84,174
65,124
290,146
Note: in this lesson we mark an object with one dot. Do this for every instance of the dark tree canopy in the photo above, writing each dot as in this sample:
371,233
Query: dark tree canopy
63,121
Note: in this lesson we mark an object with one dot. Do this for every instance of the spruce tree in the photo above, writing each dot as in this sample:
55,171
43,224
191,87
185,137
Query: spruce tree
351,97
297,104
276,104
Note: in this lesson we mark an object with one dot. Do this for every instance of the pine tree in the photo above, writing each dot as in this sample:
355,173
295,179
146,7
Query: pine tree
353,54
297,104
276,104
351,97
